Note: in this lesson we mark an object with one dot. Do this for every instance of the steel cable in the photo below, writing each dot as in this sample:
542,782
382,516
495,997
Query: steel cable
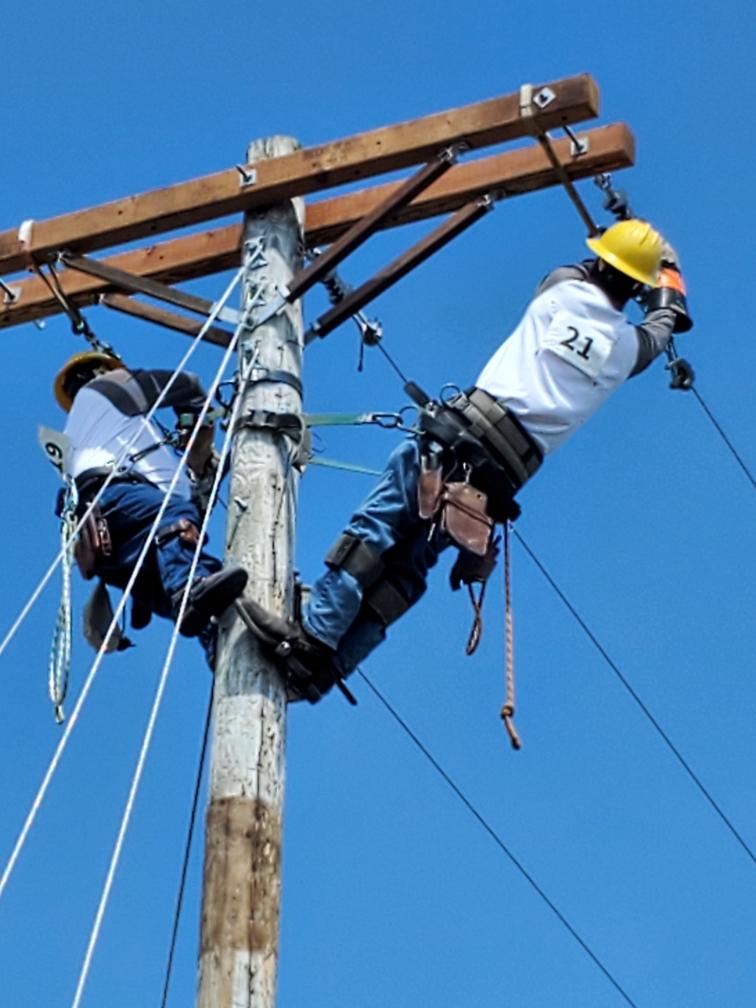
720,430
496,838
644,708
187,849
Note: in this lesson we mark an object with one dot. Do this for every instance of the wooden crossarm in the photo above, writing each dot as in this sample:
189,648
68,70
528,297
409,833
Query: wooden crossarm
510,173
305,171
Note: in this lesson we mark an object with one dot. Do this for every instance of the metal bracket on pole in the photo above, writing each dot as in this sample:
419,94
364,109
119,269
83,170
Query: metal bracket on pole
143,285
387,277
366,226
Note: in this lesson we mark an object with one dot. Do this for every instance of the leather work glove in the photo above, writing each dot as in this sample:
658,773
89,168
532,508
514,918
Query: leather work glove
469,568
670,291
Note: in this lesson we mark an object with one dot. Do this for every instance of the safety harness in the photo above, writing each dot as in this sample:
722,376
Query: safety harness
474,433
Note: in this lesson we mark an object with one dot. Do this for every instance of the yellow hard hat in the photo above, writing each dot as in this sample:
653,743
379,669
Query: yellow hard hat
631,246
97,358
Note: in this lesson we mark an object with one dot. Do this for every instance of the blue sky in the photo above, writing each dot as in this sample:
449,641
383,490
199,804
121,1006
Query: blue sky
393,894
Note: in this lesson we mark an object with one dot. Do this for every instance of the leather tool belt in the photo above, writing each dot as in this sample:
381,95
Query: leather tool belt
480,431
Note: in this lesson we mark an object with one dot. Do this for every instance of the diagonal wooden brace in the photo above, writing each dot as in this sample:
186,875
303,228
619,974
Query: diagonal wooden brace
169,320
142,285
370,223
400,267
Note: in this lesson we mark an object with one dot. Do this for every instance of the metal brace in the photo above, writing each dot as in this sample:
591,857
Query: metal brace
541,100
578,145
10,294
247,176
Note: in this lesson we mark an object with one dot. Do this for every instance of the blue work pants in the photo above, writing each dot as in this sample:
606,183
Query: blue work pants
387,520
130,510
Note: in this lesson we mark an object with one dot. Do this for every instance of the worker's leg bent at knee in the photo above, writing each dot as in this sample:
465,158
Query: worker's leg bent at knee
403,584
131,510
388,516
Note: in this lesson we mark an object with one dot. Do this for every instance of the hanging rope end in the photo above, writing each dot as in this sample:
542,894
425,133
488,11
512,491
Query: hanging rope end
506,715
60,716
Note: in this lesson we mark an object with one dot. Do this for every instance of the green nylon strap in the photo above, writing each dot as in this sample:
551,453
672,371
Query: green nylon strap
385,420
347,466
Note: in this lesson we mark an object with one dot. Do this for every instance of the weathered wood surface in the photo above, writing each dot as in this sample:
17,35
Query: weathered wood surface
241,895
509,174
299,173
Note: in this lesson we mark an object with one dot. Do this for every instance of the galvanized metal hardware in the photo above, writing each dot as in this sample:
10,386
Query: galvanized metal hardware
10,294
578,145
247,175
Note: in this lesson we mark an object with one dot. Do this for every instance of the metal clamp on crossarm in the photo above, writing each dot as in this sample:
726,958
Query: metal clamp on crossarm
530,107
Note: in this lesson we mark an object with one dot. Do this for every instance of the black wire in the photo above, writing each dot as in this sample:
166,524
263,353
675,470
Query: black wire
672,747
392,362
724,437
187,849
494,835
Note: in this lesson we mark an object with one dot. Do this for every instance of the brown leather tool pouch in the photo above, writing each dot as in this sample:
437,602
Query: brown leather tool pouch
93,542
463,516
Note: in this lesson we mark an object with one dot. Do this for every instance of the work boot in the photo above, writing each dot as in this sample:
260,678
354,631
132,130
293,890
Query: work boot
306,662
208,597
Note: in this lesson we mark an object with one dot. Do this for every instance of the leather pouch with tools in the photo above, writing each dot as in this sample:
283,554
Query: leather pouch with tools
464,518
92,542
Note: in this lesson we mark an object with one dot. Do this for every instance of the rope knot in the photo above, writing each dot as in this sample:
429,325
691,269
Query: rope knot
506,715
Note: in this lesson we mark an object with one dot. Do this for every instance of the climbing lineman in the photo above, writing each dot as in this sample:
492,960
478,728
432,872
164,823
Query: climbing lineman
108,437
451,483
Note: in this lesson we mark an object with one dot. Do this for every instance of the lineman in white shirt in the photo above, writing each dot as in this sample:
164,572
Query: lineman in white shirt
571,350
106,405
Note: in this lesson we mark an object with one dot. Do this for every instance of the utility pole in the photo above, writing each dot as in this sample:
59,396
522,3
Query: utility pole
238,956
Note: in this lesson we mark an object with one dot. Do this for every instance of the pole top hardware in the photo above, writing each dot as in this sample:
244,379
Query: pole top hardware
10,294
247,176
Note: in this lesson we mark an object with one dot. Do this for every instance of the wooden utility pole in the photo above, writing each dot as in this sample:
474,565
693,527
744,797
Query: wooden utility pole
239,932
240,907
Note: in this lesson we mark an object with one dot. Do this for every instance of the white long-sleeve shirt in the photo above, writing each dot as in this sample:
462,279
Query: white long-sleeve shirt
570,351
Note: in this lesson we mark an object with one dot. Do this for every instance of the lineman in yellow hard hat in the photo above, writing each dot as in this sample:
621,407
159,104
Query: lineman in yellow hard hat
79,370
124,465
572,349
633,247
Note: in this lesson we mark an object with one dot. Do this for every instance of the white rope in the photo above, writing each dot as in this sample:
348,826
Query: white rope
136,780
59,663
217,308
116,616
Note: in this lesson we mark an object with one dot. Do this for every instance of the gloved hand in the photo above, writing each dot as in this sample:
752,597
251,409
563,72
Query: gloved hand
469,568
670,291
